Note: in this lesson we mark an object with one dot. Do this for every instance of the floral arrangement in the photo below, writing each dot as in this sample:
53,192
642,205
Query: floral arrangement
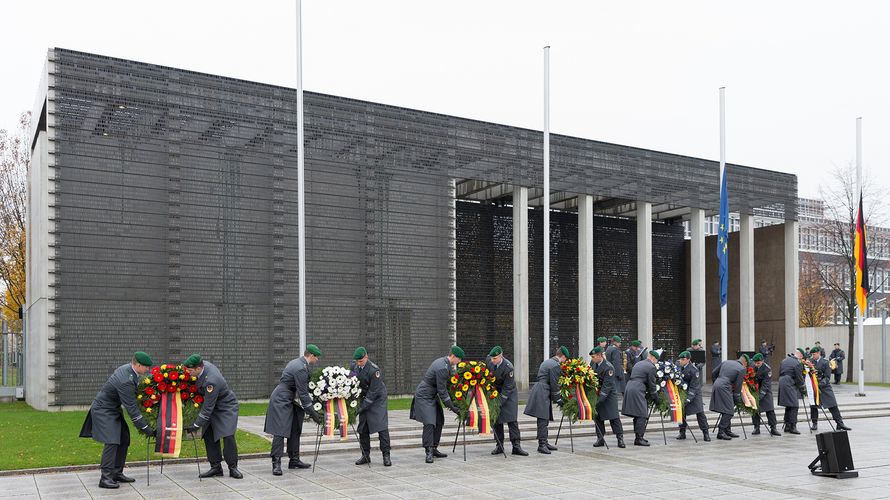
336,393
169,378
579,389
750,393
472,389
670,391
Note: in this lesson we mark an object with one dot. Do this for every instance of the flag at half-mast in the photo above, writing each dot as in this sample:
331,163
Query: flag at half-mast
723,241
861,257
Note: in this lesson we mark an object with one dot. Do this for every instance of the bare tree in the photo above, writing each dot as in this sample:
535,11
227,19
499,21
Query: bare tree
14,160
815,302
839,227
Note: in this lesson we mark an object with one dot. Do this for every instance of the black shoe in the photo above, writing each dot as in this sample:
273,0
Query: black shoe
517,450
276,466
215,470
364,460
814,427
438,454
429,455
793,430
600,442
386,461
543,448
707,436
621,441
235,473
639,441
107,481
756,431
497,450
774,432
550,446
724,436
296,463
732,434
681,436
121,478
842,427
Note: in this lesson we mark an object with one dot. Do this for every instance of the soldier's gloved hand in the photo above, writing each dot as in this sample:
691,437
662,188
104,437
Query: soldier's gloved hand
315,416
455,409
193,428
688,401
147,430
560,402
737,399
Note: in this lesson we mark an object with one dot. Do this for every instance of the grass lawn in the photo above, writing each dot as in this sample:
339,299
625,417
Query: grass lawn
32,438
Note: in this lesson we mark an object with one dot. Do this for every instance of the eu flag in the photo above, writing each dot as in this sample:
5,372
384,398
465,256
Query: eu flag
723,241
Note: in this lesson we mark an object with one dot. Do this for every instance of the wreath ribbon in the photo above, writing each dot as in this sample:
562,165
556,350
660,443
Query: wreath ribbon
336,409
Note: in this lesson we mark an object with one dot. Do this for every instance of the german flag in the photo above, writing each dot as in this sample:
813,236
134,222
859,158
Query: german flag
861,256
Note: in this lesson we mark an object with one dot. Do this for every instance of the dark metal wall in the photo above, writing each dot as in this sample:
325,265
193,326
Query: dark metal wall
175,219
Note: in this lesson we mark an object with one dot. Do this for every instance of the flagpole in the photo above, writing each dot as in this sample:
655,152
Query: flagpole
301,194
861,313
546,202
723,308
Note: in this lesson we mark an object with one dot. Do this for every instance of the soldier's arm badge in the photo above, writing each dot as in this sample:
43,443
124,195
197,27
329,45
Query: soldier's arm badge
377,374
511,375
209,388
611,373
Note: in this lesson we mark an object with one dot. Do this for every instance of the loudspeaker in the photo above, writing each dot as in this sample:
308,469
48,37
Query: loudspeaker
835,458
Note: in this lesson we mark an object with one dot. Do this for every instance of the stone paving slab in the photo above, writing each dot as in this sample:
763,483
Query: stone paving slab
757,467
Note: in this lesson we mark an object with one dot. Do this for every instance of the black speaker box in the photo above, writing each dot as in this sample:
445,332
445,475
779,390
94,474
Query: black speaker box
835,458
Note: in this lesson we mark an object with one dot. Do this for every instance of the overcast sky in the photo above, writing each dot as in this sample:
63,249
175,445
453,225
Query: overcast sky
644,74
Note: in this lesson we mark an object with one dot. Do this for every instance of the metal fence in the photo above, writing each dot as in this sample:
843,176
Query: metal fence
13,359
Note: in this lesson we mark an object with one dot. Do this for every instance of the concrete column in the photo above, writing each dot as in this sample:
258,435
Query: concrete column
520,286
792,277
746,282
644,273
585,274
697,275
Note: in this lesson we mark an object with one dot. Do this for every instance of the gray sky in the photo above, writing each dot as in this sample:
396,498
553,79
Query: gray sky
644,74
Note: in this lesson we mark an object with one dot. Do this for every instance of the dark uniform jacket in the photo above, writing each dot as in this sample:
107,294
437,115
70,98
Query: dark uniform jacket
545,390
616,358
823,376
103,421
220,406
642,381
727,387
839,356
432,389
372,408
764,378
700,366
607,403
694,401
506,387
294,383
790,382
632,359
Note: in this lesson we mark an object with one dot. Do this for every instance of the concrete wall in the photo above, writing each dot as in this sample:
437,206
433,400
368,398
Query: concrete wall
875,354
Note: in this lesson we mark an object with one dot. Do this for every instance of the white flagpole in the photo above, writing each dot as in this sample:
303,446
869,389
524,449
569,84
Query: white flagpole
301,194
546,202
861,344
723,320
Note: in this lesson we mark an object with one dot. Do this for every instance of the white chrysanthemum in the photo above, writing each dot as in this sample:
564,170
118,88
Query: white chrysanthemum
685,386
353,403
312,385
317,392
663,383
317,406
660,373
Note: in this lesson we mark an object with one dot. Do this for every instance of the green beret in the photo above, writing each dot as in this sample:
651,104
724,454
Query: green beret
696,342
601,339
564,350
496,351
616,338
314,350
757,357
596,350
747,358
684,354
457,351
803,352
192,361
815,350
142,358
359,353
636,343
656,353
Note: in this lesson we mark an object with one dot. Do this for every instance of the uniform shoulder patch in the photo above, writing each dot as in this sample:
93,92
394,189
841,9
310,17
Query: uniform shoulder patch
377,374
696,374
510,375
611,373
210,388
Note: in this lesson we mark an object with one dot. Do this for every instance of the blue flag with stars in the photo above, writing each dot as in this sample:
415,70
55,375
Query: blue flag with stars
723,241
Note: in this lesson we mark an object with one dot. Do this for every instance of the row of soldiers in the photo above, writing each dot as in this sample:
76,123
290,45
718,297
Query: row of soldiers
291,402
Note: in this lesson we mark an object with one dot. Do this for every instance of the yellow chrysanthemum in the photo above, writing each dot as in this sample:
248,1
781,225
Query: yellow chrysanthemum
139,396
197,405
194,378
468,375
163,367
477,369
166,375
495,393
473,382
454,379
148,410
487,387
458,394
465,387
146,381
182,377
461,364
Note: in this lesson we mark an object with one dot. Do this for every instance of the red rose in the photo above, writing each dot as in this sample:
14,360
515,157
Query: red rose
147,404
162,387
184,395
171,388
199,399
158,377
155,370
193,388
174,375
149,391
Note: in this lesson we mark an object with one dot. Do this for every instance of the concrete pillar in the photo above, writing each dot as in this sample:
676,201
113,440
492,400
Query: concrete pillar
644,273
520,286
792,277
697,276
585,274
746,282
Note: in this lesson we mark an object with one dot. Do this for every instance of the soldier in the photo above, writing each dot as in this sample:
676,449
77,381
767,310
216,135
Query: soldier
765,350
726,394
694,405
105,421
641,382
763,375
219,416
372,412
697,346
502,369
288,405
716,357
607,402
838,356
791,389
545,392
425,407
615,356
818,345
633,356
602,342
826,393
